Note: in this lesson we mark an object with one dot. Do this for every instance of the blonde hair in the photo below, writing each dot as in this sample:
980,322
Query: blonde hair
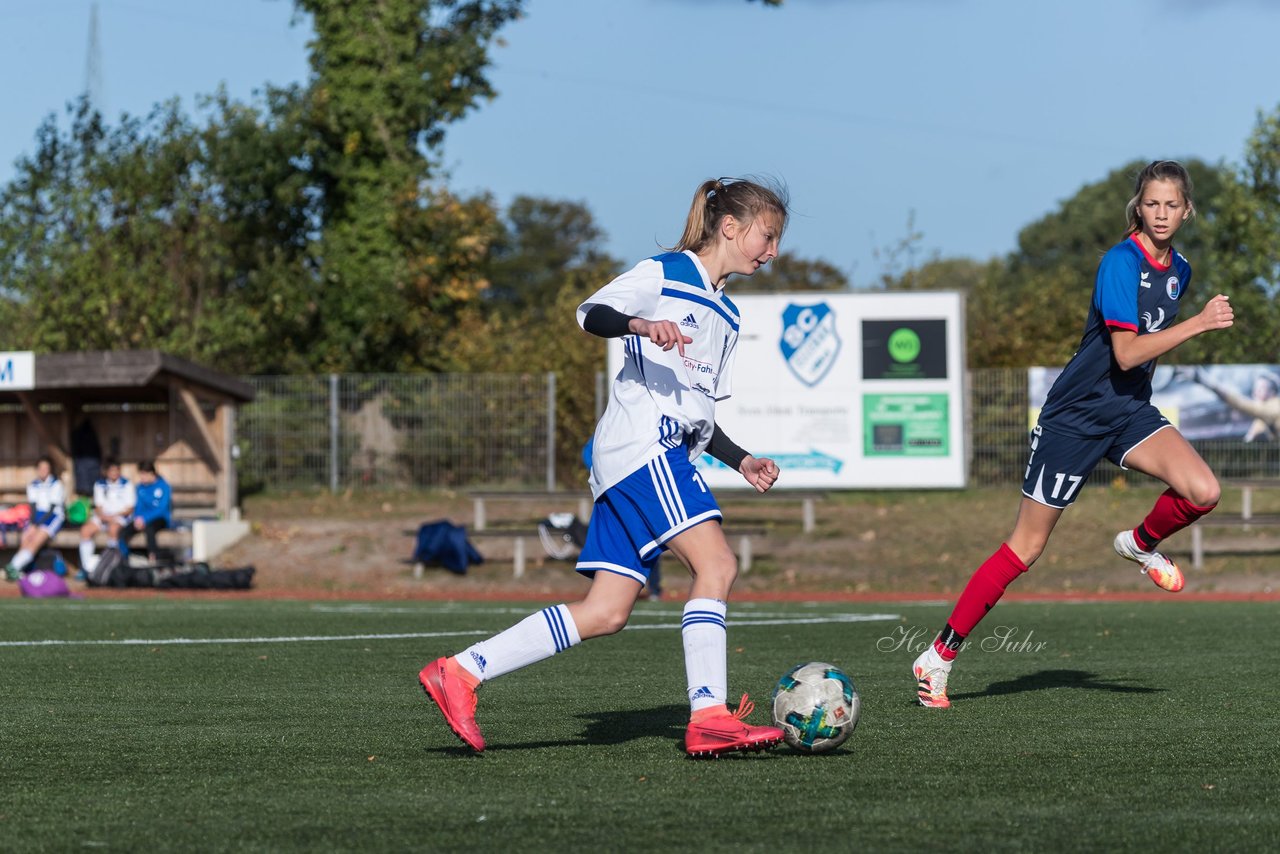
740,198
1157,170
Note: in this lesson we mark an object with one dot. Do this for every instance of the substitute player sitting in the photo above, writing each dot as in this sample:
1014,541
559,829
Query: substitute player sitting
1100,406
114,498
679,334
48,499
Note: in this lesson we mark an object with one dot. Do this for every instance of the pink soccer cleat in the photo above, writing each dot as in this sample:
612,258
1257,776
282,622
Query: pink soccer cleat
456,698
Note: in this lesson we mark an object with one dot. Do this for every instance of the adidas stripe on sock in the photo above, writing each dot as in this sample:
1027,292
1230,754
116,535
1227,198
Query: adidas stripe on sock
705,652
537,636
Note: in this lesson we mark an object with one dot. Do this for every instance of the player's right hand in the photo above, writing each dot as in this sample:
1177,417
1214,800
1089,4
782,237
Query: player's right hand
665,333
1217,313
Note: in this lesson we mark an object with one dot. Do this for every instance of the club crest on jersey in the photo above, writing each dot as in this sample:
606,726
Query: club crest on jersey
809,341
1172,287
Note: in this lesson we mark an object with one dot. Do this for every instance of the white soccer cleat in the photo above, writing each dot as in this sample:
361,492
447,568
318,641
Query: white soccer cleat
931,672
1157,567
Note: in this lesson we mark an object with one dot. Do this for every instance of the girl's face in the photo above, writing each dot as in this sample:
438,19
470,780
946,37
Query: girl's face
752,245
1163,210
43,470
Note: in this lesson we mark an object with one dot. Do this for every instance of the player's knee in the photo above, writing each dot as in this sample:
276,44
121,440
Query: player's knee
609,621
1028,549
1205,492
722,570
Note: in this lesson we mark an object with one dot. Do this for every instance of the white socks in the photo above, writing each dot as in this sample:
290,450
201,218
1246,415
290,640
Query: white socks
86,554
534,638
21,559
705,652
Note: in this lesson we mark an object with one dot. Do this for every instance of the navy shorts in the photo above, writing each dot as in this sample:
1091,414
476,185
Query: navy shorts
634,518
1059,463
50,520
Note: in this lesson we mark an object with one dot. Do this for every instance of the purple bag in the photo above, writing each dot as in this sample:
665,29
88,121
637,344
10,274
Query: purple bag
39,584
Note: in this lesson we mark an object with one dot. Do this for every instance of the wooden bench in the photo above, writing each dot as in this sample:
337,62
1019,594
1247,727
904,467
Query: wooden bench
807,499
481,499
189,504
1246,521
746,539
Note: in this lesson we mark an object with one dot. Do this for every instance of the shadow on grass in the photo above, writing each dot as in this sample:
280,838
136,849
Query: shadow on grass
606,727
1046,679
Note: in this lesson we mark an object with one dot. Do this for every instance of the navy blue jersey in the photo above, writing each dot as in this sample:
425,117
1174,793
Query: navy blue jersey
1093,396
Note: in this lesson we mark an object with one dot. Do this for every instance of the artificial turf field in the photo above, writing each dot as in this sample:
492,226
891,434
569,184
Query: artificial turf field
277,726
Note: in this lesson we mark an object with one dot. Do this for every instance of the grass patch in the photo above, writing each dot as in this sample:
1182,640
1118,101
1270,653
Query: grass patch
1113,726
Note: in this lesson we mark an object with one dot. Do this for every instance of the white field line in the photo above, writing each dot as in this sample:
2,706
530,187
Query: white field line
796,621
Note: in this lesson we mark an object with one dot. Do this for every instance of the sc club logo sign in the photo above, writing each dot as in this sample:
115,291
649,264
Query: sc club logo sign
809,341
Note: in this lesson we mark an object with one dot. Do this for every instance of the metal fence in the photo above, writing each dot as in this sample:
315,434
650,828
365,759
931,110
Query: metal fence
497,430
398,431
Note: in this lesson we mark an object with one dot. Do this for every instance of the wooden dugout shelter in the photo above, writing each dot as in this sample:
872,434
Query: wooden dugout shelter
142,404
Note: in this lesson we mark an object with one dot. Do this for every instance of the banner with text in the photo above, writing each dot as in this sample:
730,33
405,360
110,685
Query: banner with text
846,391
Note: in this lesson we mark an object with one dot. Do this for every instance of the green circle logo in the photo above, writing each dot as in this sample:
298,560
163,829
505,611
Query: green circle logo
904,345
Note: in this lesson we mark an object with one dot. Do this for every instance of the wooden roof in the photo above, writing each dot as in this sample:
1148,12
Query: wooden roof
125,376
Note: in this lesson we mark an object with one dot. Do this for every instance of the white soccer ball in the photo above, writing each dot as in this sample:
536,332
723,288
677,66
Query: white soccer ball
816,706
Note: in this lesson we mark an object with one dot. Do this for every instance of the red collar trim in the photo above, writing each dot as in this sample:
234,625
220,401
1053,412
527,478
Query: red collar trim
1147,255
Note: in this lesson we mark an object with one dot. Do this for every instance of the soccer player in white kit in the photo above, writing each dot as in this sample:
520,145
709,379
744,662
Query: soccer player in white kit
679,334
48,500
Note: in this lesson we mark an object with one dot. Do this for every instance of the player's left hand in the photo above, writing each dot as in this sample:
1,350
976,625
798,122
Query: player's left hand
760,472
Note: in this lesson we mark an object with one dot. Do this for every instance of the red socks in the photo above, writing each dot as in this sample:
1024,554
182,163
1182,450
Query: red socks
980,595
1171,514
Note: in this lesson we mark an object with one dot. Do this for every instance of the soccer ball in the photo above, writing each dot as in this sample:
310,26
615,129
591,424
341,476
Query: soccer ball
816,706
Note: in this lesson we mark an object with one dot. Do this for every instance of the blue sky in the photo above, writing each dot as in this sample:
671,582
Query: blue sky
974,116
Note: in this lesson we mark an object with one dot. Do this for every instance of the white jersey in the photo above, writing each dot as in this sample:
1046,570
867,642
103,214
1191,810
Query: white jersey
659,399
114,497
46,495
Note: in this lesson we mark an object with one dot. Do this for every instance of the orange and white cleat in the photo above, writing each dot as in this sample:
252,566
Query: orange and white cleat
445,683
725,732
931,672
1157,567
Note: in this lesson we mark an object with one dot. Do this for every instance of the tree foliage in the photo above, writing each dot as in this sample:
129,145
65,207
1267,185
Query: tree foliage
308,232
543,243
1030,307
788,273
540,276
1244,250
156,233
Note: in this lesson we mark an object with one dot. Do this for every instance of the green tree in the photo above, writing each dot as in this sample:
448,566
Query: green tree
1030,309
399,255
788,273
156,233
549,261
543,241
1244,235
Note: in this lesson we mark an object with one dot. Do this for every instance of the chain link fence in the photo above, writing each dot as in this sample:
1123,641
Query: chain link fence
496,430
397,431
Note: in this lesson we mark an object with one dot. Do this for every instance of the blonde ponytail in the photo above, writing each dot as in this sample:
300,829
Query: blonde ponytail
739,198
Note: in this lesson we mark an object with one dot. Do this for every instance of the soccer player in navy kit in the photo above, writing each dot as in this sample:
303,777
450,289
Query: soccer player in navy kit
679,334
1100,406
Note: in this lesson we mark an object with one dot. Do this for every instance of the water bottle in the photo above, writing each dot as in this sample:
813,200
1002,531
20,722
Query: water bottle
59,565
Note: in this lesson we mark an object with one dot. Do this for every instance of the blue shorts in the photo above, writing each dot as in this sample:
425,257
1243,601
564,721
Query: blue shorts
1059,463
634,518
50,520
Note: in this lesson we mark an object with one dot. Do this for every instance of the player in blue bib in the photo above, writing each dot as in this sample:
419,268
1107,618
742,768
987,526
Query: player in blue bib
679,334
1100,406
